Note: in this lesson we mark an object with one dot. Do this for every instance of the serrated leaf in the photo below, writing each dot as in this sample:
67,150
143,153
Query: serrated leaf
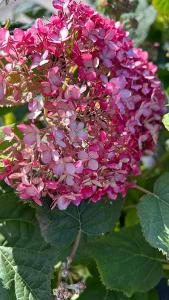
61,227
95,290
126,262
26,260
153,211
14,209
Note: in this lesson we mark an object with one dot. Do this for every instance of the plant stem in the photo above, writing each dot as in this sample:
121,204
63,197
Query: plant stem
75,247
64,271
140,188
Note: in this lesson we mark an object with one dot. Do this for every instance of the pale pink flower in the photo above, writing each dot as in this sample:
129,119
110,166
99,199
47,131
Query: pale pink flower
9,134
90,158
48,154
59,137
39,60
30,133
72,92
54,79
35,108
77,131
62,36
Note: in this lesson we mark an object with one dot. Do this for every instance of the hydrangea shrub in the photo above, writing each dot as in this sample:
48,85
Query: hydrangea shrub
94,105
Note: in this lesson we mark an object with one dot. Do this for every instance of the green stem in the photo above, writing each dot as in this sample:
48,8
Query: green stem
140,188
64,270
75,247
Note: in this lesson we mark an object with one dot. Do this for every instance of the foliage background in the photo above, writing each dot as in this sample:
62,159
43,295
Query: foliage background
114,258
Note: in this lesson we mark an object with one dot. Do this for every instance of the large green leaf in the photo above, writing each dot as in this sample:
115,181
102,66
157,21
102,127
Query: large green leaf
95,290
6,294
26,260
153,211
126,262
61,227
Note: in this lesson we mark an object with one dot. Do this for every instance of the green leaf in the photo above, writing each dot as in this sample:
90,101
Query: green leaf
162,7
166,121
153,211
61,227
95,290
6,294
6,110
153,295
26,260
126,262
131,217
14,209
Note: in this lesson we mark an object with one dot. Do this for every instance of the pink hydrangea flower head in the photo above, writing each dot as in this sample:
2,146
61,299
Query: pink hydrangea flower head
94,107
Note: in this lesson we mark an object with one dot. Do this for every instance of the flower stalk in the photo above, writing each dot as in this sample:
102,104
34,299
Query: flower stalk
64,290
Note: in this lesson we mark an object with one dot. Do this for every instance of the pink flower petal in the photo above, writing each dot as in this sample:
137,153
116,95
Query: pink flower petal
63,203
70,168
93,164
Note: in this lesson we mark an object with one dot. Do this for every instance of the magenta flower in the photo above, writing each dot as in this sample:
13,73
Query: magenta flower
94,107
72,92
60,4
4,37
9,134
39,60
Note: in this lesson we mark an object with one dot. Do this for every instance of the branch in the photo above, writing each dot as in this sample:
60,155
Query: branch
64,290
74,249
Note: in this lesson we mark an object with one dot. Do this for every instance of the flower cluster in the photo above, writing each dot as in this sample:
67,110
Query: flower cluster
94,107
